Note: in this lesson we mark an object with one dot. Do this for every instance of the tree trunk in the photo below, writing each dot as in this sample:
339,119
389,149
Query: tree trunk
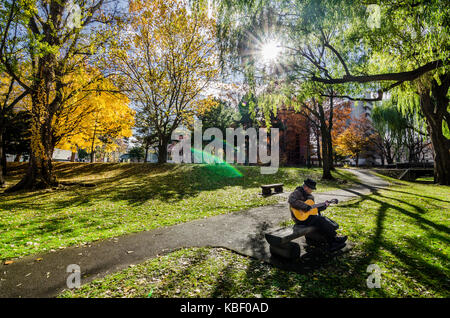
92,154
319,157
146,152
308,153
327,155
330,151
2,167
410,155
162,151
4,163
389,158
72,157
39,173
435,110
441,158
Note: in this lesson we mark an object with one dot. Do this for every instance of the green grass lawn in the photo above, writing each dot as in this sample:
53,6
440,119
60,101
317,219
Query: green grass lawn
403,229
130,198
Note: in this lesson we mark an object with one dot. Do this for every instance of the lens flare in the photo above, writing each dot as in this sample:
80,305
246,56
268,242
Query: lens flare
224,169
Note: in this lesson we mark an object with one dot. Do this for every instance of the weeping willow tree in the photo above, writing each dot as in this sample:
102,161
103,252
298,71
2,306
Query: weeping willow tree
399,46
400,133
389,125
414,51
272,45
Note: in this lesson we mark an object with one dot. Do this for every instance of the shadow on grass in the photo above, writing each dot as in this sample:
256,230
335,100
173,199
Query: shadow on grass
423,196
417,267
56,226
138,183
421,221
130,185
417,260
198,260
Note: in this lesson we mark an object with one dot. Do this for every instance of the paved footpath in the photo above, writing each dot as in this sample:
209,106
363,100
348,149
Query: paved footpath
241,231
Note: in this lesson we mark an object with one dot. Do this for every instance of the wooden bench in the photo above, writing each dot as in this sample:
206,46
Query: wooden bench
267,188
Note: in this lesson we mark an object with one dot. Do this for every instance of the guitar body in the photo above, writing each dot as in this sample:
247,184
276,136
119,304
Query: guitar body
302,215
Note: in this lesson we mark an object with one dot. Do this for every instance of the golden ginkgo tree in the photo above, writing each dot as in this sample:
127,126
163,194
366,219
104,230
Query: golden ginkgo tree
43,43
96,113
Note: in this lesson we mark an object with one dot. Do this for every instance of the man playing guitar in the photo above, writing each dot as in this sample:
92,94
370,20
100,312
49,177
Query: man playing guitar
303,213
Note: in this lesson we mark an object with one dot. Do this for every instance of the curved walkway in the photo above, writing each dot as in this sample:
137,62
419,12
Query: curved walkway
241,231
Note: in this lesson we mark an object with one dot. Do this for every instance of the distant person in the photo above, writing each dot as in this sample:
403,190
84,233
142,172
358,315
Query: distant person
325,226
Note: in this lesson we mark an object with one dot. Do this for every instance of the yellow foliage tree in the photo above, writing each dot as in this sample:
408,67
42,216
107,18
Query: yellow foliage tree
355,138
42,43
96,114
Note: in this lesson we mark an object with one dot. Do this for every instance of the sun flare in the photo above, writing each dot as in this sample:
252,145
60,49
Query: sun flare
270,51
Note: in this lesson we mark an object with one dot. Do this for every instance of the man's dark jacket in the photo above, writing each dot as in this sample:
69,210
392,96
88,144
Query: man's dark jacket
297,201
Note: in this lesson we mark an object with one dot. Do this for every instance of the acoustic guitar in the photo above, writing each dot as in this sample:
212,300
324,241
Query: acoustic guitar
303,215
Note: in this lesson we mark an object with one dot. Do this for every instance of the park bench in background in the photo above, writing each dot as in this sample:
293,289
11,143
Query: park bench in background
267,188
414,173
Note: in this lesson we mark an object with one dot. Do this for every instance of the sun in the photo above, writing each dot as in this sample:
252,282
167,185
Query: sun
270,51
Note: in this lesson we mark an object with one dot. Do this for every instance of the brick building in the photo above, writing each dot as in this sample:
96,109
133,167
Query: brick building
294,137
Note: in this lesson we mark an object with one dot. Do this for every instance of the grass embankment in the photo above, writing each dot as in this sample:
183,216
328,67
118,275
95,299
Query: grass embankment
130,198
404,230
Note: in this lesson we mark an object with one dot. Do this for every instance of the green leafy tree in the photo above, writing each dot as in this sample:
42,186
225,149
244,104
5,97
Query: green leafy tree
221,116
82,154
145,132
16,138
248,111
137,153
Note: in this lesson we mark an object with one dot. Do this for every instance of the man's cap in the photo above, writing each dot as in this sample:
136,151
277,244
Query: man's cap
310,183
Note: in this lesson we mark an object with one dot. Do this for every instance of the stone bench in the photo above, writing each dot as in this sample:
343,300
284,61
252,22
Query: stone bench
267,188
280,240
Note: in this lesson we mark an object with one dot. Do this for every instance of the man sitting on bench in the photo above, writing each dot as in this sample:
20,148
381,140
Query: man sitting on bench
324,225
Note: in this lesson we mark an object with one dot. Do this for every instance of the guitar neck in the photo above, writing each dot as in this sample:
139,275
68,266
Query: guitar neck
318,205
